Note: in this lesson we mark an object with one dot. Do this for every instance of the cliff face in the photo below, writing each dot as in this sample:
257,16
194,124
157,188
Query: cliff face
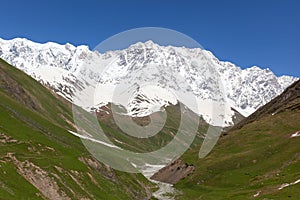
173,172
288,100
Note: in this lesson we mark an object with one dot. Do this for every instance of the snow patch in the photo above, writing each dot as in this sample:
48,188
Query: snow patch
297,134
257,194
93,140
288,184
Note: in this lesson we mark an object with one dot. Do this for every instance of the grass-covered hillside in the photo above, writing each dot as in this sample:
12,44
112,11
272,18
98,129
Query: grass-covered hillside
259,159
40,159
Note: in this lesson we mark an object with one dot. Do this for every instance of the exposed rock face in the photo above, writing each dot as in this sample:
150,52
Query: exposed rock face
12,87
288,100
39,179
70,70
173,172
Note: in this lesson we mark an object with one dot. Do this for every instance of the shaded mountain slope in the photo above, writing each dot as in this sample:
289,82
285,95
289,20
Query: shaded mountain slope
258,160
155,142
40,159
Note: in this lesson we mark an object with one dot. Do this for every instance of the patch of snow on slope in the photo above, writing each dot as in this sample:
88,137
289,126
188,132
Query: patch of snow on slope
297,134
288,184
93,140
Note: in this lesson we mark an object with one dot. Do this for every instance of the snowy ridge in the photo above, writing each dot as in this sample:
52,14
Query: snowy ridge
70,70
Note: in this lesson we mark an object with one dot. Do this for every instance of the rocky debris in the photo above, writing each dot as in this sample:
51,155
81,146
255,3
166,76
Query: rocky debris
39,149
76,177
6,139
39,178
108,173
68,121
12,87
92,179
105,170
174,172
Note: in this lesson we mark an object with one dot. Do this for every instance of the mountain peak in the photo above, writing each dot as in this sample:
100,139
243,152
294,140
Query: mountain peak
148,43
60,67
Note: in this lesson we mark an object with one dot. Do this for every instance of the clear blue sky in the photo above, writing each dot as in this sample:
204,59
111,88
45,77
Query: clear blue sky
246,32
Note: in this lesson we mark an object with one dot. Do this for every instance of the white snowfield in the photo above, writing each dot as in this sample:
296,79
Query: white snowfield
91,79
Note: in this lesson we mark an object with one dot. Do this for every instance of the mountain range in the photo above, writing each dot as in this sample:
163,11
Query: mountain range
41,156
74,71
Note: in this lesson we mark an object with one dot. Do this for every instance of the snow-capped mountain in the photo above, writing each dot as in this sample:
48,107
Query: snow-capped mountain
71,70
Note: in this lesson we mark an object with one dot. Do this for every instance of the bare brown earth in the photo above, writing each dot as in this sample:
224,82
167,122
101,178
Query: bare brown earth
39,178
173,172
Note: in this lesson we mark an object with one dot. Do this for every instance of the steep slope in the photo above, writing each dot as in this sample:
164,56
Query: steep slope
288,100
259,159
40,159
68,70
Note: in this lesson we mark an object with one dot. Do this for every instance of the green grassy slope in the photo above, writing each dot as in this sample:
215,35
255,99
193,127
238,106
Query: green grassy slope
155,142
39,159
254,160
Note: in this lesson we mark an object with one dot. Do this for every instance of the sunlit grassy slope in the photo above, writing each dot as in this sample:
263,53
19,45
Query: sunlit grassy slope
40,159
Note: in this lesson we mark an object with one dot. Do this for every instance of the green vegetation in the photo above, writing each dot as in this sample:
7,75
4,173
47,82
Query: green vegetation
250,162
40,159
125,141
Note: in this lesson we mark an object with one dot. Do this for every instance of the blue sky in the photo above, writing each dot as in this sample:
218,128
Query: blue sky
265,33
